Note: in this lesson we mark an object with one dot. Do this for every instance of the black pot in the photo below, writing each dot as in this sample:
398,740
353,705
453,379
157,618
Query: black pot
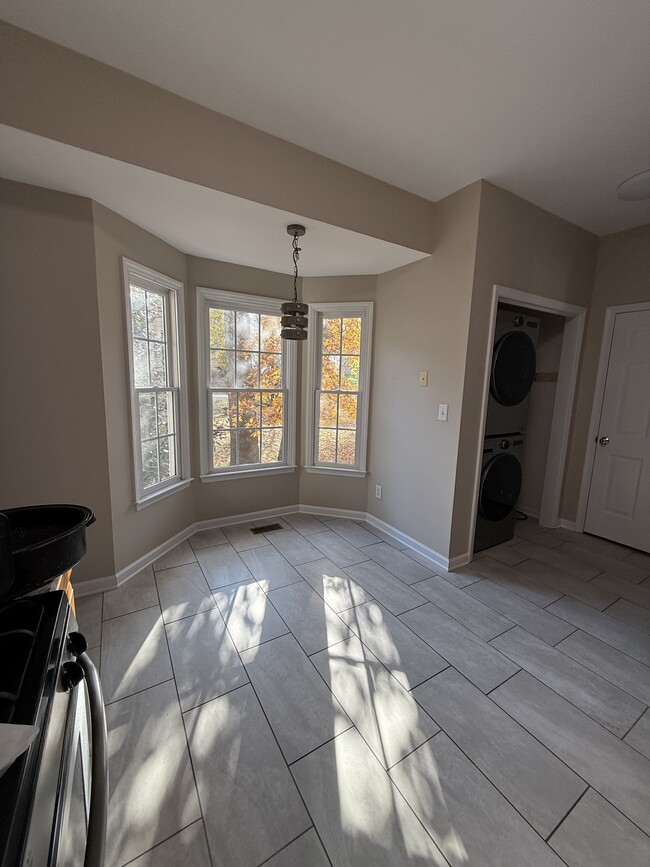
38,543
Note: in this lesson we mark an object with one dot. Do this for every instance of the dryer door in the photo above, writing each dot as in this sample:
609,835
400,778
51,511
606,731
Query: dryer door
513,368
500,487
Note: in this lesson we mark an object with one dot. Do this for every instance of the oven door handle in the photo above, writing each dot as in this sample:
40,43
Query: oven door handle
96,845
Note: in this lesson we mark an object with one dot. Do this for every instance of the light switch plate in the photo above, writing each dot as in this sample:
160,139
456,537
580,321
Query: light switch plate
443,409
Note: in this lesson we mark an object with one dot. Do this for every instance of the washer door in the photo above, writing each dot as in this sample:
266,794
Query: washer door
500,487
513,368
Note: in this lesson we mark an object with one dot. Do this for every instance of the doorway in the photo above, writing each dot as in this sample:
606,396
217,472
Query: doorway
615,497
571,328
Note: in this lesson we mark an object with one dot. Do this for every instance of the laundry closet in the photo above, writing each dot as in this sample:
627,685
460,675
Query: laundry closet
524,369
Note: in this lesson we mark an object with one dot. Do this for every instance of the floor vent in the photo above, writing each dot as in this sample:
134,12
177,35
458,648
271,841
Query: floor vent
267,528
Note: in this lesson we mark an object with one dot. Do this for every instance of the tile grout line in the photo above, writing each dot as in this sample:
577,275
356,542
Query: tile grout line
162,842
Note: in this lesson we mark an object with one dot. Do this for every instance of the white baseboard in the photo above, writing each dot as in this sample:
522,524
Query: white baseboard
570,525
110,582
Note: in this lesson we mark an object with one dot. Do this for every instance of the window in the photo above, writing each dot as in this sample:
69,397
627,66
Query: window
339,345
247,375
154,305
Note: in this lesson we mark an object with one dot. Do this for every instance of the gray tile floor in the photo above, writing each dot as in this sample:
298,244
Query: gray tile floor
322,695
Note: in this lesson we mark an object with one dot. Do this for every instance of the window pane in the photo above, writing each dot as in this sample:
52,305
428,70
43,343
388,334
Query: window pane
350,373
157,364
156,316
272,409
167,452
222,329
148,428
249,446
141,364
223,449
331,336
270,328
326,446
223,410
150,469
351,343
248,370
346,449
138,312
248,325
222,368
165,402
249,409
272,446
328,413
348,411
270,370
330,372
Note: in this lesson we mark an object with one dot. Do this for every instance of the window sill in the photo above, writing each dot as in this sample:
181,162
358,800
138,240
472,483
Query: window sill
245,474
337,471
165,492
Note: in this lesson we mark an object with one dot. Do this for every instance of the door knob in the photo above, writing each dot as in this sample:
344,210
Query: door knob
604,441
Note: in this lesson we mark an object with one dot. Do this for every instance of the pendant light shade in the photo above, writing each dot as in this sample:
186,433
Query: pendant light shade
294,313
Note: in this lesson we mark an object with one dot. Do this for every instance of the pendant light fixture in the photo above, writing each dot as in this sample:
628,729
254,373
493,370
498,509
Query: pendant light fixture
294,314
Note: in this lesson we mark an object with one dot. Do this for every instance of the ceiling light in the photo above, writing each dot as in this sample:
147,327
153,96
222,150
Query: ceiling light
636,188
294,314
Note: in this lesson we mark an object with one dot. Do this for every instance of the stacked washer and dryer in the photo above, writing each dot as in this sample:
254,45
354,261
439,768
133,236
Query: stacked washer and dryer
511,378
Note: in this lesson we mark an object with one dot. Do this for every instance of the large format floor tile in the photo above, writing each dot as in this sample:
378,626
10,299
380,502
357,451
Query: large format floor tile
269,567
333,584
305,524
250,616
603,563
614,666
310,619
484,666
301,710
337,549
178,556
205,660
137,593
531,532
536,620
408,658
541,788
603,701
89,618
637,593
352,532
183,592
134,653
398,563
594,834
631,614
476,616
515,581
305,851
388,717
584,591
222,565
636,644
639,735
359,814
241,537
552,557
618,772
152,792
469,819
188,848
250,804
385,587
592,543
294,547
208,538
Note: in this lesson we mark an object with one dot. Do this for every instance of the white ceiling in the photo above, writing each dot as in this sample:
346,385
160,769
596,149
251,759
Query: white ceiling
195,219
547,98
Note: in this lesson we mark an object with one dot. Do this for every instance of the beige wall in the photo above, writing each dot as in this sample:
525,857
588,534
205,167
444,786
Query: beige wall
622,277
421,321
523,247
54,92
52,426
316,489
135,532
239,496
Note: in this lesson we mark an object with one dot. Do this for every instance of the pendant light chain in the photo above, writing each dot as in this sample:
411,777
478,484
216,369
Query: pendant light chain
294,313
296,256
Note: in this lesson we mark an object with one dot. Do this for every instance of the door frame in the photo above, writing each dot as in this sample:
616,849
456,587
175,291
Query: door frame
597,405
564,397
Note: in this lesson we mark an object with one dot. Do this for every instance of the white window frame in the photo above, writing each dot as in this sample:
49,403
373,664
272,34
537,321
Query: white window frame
207,298
364,310
174,290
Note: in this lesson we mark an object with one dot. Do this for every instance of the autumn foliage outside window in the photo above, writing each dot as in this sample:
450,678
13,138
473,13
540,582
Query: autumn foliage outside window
339,390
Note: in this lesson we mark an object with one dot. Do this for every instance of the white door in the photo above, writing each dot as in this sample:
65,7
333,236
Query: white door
619,497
